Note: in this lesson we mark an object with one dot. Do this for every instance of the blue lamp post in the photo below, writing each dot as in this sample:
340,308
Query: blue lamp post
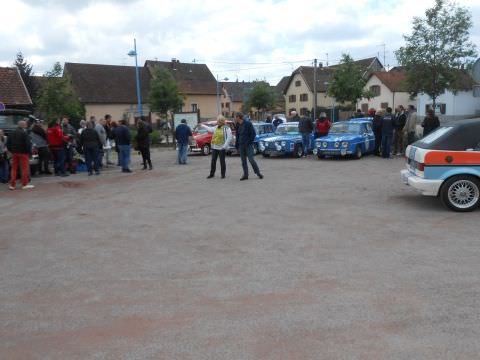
139,95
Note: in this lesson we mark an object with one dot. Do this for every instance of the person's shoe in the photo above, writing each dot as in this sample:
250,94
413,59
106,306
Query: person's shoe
144,167
223,176
26,187
244,178
64,175
97,172
210,176
260,176
127,171
48,173
150,167
90,173
110,163
12,187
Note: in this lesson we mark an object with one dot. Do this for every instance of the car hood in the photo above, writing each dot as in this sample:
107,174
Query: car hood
282,138
340,137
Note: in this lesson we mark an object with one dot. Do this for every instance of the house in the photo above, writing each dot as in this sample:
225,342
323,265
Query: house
280,91
462,104
234,95
196,83
299,90
13,93
389,88
109,89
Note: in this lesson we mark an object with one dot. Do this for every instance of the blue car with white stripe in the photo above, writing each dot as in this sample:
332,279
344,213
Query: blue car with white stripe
347,138
287,140
263,130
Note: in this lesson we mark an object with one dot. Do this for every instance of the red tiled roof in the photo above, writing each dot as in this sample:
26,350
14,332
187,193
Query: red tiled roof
12,88
394,80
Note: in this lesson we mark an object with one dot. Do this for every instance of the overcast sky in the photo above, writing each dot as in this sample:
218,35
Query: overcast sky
246,39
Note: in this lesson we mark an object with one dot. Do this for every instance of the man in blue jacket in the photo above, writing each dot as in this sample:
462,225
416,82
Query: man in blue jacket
388,125
245,138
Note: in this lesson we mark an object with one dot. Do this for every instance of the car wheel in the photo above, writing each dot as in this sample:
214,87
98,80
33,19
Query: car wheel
266,155
358,152
320,156
461,193
206,149
298,151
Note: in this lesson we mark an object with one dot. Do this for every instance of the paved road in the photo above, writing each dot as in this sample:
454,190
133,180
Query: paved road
320,260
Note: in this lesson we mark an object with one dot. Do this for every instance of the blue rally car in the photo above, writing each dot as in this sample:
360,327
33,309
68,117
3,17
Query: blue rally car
286,141
263,131
354,137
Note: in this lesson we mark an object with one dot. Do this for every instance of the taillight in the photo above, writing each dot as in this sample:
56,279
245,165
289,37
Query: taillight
420,166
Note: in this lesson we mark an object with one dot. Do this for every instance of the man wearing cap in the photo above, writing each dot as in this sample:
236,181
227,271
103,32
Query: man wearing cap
182,135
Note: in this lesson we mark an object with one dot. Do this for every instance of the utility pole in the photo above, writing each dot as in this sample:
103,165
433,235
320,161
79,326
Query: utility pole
327,59
314,89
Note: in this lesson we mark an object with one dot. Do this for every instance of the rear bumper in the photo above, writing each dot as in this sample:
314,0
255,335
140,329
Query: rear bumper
425,186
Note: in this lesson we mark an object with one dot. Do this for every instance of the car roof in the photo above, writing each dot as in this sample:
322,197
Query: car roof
261,123
360,120
289,123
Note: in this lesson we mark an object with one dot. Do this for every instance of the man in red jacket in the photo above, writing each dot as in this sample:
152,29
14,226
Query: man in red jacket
56,141
322,126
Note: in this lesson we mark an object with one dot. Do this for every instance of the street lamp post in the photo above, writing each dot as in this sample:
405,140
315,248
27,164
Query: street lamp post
132,53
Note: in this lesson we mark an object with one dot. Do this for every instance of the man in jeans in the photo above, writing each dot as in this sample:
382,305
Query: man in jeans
245,137
305,127
182,134
124,140
18,143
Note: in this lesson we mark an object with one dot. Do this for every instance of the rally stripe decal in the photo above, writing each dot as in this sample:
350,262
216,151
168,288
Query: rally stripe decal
452,158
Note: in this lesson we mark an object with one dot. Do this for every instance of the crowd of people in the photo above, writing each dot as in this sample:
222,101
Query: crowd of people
66,147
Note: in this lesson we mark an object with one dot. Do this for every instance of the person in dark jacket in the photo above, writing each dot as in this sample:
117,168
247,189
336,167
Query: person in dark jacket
430,122
305,127
123,138
70,145
400,120
388,125
18,143
377,128
245,138
143,143
39,137
90,142
182,135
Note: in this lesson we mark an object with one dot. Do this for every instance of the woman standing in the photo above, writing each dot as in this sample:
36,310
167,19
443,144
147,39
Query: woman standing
143,143
221,139
90,142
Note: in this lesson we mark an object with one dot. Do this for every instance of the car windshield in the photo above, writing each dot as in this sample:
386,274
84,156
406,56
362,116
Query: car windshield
200,130
287,129
345,128
7,121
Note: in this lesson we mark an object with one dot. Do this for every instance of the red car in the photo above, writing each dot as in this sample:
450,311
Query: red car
202,138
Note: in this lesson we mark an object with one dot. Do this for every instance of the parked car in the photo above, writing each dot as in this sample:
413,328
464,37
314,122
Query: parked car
263,131
287,140
202,139
446,163
347,138
9,119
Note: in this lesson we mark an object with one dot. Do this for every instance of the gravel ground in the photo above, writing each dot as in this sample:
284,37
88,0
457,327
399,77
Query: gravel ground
332,259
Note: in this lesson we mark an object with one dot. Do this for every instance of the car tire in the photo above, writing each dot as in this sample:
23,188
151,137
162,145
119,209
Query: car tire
265,155
461,193
206,149
298,151
358,152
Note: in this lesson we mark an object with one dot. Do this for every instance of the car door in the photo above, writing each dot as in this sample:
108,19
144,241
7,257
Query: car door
370,138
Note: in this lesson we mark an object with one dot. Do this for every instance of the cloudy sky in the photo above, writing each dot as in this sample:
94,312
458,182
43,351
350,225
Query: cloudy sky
247,39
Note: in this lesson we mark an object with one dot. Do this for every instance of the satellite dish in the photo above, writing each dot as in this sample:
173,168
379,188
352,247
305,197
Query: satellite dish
476,71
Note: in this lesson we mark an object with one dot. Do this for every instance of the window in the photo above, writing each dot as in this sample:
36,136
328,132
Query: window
439,108
375,89
194,108
303,97
227,105
384,105
298,83
292,98
365,108
303,111
476,91
223,105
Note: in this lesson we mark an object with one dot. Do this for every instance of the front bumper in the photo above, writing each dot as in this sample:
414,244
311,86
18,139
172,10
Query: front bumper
425,186
332,152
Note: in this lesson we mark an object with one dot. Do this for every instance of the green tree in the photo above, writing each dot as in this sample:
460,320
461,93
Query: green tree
164,95
56,98
436,49
25,70
348,82
261,96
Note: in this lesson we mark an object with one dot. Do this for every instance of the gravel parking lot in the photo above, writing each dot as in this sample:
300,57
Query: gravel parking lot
332,259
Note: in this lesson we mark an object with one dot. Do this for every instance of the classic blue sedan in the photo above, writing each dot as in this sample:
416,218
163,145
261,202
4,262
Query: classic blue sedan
354,137
287,140
263,131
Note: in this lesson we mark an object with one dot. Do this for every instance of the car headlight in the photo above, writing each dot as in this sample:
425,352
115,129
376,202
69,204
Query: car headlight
337,144
345,144
283,143
261,143
324,144
277,143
